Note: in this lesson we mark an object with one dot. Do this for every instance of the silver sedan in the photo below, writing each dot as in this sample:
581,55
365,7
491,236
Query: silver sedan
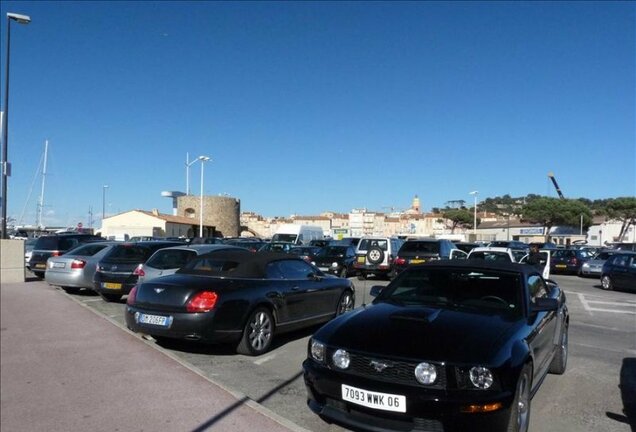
594,266
75,269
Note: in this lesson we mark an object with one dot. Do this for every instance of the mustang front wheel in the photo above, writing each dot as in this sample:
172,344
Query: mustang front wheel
257,334
520,410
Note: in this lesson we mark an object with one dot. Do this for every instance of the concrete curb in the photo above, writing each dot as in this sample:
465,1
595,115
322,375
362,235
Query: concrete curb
238,395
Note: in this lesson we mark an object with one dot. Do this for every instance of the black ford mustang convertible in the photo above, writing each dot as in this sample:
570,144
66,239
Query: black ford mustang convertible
228,296
449,345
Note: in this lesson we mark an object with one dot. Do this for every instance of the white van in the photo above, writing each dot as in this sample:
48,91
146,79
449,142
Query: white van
298,234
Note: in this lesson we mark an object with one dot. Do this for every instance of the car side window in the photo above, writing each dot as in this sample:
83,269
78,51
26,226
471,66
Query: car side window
272,271
68,243
536,287
295,269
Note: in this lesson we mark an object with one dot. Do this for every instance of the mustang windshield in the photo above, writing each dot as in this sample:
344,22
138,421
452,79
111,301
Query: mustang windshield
331,251
484,290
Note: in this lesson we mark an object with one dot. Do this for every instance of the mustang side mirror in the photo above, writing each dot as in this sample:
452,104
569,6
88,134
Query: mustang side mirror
544,304
314,276
376,290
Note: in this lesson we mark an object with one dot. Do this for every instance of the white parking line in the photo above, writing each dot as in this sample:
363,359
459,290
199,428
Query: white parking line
628,351
264,359
624,304
582,324
91,300
584,303
588,305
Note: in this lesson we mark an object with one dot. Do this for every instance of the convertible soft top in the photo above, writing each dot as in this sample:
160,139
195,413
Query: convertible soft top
477,264
235,264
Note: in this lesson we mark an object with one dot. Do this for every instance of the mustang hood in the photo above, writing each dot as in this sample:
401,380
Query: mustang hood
426,333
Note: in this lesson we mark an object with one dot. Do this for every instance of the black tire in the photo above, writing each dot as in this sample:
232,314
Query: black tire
39,275
520,409
606,283
110,297
560,360
375,255
346,303
71,290
257,333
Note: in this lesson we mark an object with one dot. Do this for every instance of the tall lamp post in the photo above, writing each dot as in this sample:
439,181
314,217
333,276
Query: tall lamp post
6,170
104,203
203,159
474,194
187,164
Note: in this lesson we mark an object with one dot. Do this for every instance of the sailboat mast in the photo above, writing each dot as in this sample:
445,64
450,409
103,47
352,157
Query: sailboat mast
41,203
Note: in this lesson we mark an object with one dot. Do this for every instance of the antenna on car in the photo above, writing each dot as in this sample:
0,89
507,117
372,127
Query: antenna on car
364,293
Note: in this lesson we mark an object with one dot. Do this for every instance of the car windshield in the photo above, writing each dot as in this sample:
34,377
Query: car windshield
366,244
420,246
479,291
490,256
170,259
128,253
291,238
331,251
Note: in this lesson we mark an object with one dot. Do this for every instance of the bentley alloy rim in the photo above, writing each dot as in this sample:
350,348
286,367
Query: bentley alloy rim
346,304
524,400
260,331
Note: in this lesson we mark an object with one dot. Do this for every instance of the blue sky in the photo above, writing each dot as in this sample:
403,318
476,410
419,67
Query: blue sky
309,107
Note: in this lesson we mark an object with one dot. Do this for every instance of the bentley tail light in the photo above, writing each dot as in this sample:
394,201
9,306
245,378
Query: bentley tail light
78,264
202,302
400,261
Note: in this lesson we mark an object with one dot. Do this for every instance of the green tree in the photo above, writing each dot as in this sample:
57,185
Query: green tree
550,212
461,217
622,209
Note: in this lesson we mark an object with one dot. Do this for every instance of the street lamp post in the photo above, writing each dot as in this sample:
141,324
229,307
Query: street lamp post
474,194
6,170
187,164
104,203
203,159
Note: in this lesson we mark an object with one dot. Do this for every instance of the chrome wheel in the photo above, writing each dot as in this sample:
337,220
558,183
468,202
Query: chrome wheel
523,403
345,304
606,282
260,331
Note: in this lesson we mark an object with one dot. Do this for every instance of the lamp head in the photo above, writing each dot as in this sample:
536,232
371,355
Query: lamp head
204,158
20,19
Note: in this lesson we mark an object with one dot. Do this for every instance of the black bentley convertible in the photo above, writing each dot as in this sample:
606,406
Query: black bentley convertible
448,345
235,297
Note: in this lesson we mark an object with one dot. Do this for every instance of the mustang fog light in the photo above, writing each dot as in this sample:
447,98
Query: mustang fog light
317,350
341,359
137,317
482,408
481,377
425,373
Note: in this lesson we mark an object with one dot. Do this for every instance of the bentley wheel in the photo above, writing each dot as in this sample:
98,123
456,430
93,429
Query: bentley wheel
345,304
560,360
110,297
257,334
520,410
606,283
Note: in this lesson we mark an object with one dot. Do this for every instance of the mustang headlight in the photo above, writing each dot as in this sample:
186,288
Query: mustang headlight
334,264
481,377
317,351
341,359
425,373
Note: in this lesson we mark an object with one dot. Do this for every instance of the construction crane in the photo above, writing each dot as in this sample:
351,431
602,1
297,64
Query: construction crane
556,185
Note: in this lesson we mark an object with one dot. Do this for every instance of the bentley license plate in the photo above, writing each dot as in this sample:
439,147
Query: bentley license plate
157,320
112,286
371,399
561,266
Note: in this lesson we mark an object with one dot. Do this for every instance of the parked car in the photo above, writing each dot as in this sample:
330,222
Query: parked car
512,244
422,250
336,259
619,271
29,244
277,247
448,345
305,252
497,254
467,247
376,256
594,266
320,242
625,246
568,260
544,262
55,245
114,276
167,261
205,240
251,244
75,269
238,298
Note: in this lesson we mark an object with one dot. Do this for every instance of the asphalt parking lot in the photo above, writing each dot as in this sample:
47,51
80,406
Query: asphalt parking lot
598,391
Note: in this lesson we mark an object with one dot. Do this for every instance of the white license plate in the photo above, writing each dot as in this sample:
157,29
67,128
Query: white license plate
370,399
59,265
323,269
561,266
157,320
